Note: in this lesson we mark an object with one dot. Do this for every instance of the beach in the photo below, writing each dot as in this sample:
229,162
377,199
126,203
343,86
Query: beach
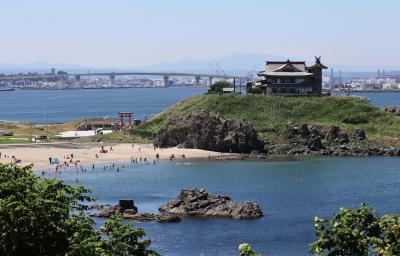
87,154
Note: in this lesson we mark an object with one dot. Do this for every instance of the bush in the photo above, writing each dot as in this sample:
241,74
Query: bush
246,250
360,118
252,88
357,232
218,86
41,216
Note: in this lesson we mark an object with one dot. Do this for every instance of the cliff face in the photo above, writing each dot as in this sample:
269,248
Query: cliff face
209,131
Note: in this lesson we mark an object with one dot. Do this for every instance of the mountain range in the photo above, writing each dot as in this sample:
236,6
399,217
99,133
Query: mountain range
235,64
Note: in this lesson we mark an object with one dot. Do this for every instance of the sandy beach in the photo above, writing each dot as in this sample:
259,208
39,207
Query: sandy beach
38,154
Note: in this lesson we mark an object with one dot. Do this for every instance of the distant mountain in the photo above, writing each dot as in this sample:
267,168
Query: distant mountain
236,63
233,64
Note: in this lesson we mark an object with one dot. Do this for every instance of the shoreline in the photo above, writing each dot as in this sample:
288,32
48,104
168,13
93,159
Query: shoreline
85,154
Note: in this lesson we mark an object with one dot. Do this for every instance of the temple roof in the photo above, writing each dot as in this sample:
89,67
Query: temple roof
317,64
278,74
285,66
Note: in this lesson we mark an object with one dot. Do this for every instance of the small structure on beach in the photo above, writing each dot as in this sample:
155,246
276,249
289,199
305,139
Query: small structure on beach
292,77
98,124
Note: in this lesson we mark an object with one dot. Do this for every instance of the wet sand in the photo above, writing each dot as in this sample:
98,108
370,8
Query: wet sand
85,154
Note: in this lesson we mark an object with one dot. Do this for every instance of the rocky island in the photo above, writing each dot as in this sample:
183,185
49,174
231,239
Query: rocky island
276,125
200,203
196,202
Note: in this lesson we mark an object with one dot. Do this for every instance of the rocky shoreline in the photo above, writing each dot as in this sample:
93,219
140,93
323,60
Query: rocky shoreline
209,131
196,202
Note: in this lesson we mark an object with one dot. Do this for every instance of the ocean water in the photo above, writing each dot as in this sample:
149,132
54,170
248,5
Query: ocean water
55,106
381,99
39,106
290,193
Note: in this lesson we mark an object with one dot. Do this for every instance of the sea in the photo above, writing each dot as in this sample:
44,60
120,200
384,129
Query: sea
58,106
290,191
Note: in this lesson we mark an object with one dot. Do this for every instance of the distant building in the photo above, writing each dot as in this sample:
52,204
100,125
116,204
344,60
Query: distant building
292,77
97,124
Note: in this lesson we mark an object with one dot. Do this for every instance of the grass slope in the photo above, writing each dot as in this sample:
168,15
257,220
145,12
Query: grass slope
271,114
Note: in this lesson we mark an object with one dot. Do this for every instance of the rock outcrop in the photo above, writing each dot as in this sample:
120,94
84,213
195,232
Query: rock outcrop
128,210
209,131
198,202
336,135
314,143
392,109
359,134
306,134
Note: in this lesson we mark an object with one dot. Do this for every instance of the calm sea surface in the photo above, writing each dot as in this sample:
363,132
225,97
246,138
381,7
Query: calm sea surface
290,193
38,106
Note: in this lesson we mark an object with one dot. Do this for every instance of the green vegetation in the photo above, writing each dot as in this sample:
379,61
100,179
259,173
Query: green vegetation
46,217
271,114
246,250
252,88
218,86
357,232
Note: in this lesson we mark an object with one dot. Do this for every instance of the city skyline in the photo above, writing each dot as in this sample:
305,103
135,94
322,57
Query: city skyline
137,34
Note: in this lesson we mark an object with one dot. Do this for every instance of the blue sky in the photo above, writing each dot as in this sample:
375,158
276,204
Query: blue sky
143,32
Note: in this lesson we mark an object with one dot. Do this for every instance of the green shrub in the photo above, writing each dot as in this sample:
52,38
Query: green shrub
218,86
41,216
357,118
357,232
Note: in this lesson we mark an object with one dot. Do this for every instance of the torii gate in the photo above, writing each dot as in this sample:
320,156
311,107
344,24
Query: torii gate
122,116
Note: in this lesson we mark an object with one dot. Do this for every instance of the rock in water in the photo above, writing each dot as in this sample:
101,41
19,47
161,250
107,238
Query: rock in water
209,131
126,204
198,202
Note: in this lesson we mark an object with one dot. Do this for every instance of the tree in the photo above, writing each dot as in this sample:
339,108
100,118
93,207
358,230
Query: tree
357,232
41,216
218,86
255,89
246,250
62,73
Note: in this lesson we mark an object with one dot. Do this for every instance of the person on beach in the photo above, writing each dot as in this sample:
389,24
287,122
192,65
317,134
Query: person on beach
111,149
49,160
92,166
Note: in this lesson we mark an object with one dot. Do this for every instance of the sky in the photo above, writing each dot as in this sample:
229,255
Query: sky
129,33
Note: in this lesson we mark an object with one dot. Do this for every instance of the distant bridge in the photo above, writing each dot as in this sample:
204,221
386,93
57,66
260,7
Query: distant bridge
112,76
